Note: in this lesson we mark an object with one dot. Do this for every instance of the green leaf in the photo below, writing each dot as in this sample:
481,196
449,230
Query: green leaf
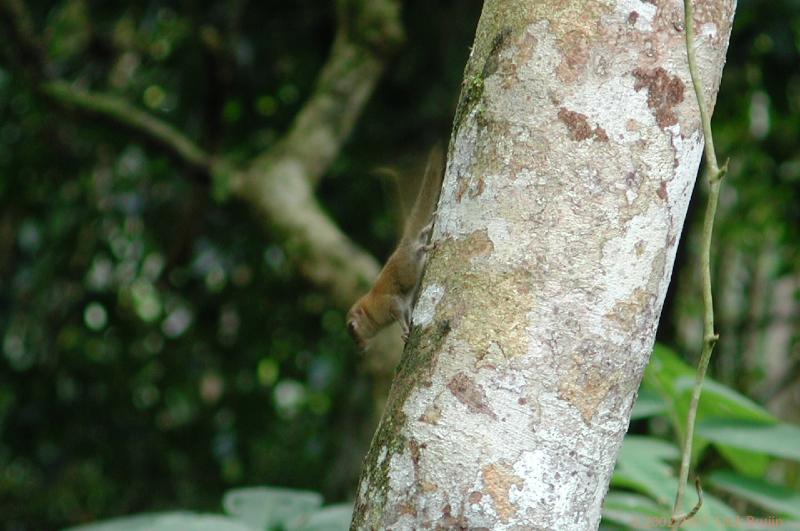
642,466
634,510
266,507
662,373
648,404
673,380
720,401
769,496
779,440
171,521
753,464
712,515
331,518
650,448
638,512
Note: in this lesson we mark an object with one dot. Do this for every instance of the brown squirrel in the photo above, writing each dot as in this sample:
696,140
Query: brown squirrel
393,293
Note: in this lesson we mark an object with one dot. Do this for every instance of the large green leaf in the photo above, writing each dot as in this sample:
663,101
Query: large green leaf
642,466
663,373
638,512
632,510
718,400
769,496
648,404
673,379
753,464
171,521
266,507
714,514
779,440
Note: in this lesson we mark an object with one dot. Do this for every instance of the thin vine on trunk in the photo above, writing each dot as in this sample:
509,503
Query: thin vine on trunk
715,174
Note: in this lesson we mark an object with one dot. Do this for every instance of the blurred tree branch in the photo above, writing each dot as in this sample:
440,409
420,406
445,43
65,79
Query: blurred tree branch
123,113
368,31
278,183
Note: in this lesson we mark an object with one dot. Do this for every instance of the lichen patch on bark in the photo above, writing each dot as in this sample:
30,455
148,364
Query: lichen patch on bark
431,415
715,14
456,263
578,126
586,386
450,521
635,312
470,188
662,191
498,479
575,48
470,394
664,92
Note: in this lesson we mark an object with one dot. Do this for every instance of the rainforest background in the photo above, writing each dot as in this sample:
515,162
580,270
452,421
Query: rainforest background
159,341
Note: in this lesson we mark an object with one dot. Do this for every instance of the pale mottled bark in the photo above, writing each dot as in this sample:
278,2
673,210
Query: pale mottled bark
574,152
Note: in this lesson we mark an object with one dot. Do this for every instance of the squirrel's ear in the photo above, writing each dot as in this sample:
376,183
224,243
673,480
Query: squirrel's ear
352,329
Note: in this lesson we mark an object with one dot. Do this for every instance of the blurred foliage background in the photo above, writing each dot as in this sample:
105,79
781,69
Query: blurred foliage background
157,348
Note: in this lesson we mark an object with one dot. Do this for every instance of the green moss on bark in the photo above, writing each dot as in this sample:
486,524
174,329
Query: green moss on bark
419,360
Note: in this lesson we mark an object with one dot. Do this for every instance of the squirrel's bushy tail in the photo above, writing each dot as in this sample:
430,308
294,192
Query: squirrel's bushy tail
428,194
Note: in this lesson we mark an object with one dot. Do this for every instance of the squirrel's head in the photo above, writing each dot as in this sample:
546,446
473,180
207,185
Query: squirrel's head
359,325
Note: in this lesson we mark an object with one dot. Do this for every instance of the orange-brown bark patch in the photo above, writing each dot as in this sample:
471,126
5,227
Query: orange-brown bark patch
664,92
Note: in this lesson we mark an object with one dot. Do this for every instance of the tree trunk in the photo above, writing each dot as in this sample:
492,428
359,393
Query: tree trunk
574,152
